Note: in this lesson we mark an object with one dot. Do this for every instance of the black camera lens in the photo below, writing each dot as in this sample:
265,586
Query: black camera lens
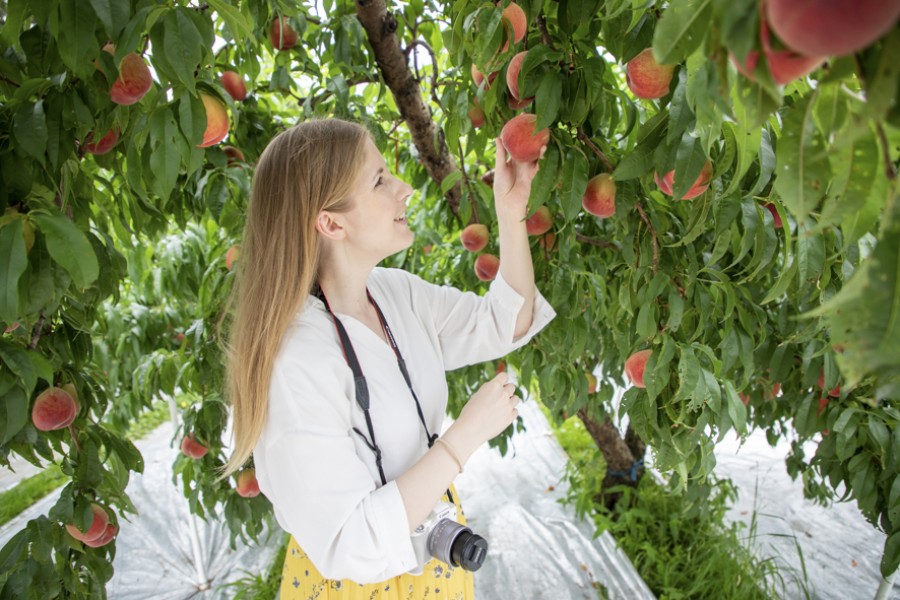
469,550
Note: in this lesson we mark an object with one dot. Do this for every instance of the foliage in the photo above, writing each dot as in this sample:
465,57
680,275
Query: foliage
28,491
107,257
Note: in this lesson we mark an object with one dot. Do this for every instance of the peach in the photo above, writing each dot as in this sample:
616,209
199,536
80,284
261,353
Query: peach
216,121
234,85
478,77
831,27
823,402
646,78
282,35
108,534
95,530
521,140
540,222
547,241
231,256
834,392
667,183
771,208
247,484
518,104
634,367
600,196
53,409
192,448
476,115
233,155
515,16
486,267
474,237
745,398
133,82
512,76
592,382
784,65
12,327
103,145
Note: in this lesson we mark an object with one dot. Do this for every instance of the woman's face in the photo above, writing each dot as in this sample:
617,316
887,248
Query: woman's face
376,222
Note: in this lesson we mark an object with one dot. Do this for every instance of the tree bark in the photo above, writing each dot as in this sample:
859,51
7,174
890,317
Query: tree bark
622,466
380,26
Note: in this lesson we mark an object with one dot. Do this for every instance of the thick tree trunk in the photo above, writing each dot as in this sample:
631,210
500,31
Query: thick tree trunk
380,28
624,456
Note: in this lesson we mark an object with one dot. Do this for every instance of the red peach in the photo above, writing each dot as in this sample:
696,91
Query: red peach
234,85
476,115
515,16
547,240
540,222
95,530
512,76
784,65
518,104
823,402
634,367
103,145
108,534
474,237
486,267
133,82
282,35
592,382
600,196
834,392
771,208
247,484
53,409
192,448
521,140
233,155
216,121
646,78
231,256
702,182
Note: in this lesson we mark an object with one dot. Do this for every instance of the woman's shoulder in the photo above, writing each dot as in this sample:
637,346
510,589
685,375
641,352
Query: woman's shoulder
310,338
399,283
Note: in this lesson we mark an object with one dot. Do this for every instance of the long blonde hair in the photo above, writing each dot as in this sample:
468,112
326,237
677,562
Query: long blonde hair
304,170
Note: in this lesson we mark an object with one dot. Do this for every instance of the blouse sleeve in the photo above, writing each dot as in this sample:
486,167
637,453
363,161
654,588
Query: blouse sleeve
321,490
473,328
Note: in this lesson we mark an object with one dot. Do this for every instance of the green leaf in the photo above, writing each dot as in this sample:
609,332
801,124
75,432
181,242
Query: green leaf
547,177
76,37
640,160
13,261
69,247
689,161
168,148
30,129
183,46
240,27
855,168
803,171
547,99
681,30
890,558
574,178
13,413
114,14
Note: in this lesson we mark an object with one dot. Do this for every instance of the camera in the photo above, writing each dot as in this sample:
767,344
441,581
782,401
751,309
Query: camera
441,537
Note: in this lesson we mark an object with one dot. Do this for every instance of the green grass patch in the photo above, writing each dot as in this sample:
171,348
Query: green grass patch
262,586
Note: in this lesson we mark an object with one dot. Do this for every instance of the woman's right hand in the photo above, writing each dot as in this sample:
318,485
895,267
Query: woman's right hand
491,409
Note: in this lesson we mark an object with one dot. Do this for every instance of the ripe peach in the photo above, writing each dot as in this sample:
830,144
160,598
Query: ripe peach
646,78
106,537
834,392
823,402
702,182
476,115
12,327
234,85
282,35
540,222
216,121
592,382
515,16
831,27
518,104
520,139
771,208
53,409
192,448
231,256
600,196
95,530
634,367
474,237
103,145
784,65
234,155
133,82
547,241
247,485
486,267
478,77
512,76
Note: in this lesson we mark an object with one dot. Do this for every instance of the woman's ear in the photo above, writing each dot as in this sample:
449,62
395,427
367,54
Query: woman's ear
329,226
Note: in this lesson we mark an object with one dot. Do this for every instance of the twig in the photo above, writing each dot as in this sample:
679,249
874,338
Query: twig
606,162
889,169
462,166
595,242
38,330
434,66
640,209
545,35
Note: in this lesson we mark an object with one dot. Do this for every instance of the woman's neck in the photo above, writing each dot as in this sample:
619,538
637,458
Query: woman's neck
345,289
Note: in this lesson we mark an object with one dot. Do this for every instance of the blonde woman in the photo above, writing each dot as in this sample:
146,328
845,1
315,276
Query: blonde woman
353,467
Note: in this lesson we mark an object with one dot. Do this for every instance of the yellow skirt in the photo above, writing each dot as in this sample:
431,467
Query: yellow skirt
439,581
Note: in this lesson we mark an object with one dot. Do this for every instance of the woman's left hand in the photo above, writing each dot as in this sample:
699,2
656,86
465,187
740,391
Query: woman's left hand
512,182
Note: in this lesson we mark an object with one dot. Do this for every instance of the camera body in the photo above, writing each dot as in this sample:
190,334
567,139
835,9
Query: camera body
441,537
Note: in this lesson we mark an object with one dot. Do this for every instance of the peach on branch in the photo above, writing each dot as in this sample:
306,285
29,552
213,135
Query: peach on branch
600,196
540,222
103,145
478,77
53,409
512,76
518,104
476,115
521,140
96,529
547,241
474,237
646,78
282,35
515,17
771,208
133,81
12,327
823,403
192,448
592,382
486,267
784,65
667,182
247,484
233,155
634,367
106,537
834,392
831,27
231,256
234,85
216,121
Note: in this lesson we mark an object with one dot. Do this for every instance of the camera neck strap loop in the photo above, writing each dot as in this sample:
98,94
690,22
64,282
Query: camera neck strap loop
362,389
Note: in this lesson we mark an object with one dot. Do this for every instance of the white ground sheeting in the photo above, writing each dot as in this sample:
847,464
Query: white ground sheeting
537,549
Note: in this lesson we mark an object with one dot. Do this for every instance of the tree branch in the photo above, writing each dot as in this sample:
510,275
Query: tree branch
434,62
595,242
640,209
381,29
545,35
606,162
889,169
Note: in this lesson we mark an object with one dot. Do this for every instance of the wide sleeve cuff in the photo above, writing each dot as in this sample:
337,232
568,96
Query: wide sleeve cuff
508,298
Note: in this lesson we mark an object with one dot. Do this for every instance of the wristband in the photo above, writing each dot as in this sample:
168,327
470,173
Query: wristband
451,451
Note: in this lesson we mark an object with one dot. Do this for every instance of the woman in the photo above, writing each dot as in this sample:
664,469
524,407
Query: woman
350,484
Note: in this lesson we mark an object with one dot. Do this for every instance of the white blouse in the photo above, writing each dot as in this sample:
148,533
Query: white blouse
318,473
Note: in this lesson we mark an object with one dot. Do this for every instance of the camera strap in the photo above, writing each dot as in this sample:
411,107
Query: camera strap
362,389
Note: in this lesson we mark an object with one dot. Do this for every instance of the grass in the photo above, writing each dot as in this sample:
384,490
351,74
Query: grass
679,553
262,586
31,489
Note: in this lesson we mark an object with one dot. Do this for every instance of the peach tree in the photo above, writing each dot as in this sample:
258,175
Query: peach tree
717,203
